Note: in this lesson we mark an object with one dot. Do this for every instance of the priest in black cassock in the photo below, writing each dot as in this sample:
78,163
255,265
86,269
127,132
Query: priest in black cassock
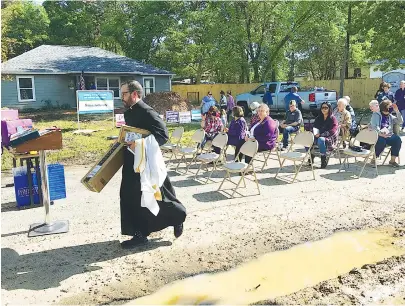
137,221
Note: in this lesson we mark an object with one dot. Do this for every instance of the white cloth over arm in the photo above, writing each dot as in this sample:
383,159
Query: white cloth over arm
150,164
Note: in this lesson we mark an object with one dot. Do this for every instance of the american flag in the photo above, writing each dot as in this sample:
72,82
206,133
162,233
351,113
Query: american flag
82,83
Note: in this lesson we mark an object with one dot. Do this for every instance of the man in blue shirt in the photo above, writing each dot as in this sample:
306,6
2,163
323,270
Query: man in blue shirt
267,98
207,102
293,96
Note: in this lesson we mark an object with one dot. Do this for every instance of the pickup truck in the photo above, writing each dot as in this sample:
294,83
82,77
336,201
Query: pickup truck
313,98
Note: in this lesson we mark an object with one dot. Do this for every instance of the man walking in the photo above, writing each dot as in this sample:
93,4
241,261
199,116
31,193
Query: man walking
138,221
293,95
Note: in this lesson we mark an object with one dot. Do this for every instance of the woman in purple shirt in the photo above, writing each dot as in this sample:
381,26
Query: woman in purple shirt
264,130
237,130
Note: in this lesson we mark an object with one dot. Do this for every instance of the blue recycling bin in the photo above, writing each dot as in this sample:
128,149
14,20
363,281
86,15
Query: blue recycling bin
22,192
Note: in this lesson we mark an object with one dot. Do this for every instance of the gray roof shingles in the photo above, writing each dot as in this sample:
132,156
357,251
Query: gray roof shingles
74,59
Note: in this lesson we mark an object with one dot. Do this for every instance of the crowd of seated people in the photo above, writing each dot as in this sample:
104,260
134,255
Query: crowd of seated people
327,127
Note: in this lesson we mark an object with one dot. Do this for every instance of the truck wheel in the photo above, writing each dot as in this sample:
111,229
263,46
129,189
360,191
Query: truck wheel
246,109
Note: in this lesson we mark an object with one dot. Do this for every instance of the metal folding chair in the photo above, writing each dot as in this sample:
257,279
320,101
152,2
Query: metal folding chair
190,150
173,143
303,139
205,159
249,148
365,136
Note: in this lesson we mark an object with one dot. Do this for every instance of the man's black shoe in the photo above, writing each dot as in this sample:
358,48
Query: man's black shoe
178,230
134,242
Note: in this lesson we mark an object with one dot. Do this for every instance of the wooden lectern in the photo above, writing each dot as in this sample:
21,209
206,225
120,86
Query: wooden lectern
48,140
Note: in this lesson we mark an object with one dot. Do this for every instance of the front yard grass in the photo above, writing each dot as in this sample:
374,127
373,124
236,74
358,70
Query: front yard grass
81,149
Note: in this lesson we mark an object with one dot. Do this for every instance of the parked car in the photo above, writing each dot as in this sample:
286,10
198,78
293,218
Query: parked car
313,98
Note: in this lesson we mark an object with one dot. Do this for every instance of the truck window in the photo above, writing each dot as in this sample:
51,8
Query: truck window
272,88
259,90
287,87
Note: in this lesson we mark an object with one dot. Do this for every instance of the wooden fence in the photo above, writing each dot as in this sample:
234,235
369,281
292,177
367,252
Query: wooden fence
361,91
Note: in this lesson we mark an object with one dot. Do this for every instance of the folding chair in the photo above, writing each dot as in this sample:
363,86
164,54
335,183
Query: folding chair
196,139
386,153
306,140
249,148
276,150
219,142
366,136
173,142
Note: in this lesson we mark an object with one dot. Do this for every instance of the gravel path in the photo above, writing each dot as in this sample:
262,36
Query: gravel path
87,265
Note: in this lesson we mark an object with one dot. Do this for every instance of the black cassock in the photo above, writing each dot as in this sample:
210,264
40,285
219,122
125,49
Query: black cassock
133,216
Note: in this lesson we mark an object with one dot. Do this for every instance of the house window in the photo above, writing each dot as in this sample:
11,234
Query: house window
26,88
109,84
148,85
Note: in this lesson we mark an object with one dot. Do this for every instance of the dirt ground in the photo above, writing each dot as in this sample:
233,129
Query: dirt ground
88,266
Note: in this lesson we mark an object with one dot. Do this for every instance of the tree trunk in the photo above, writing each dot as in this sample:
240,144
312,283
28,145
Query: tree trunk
199,73
347,49
345,67
292,66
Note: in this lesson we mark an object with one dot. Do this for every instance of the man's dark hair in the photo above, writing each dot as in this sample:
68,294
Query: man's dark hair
385,106
134,86
294,89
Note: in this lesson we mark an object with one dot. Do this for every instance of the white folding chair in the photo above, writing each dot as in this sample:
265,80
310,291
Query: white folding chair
386,153
366,136
173,142
249,148
193,148
219,142
306,140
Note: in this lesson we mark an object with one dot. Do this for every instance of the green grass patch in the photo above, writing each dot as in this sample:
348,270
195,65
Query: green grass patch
81,149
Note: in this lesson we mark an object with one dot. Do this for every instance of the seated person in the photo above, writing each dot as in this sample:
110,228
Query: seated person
374,106
325,132
383,122
237,129
353,128
291,124
344,119
212,125
264,130
253,106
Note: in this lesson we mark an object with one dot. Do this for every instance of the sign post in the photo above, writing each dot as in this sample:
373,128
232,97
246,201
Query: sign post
94,102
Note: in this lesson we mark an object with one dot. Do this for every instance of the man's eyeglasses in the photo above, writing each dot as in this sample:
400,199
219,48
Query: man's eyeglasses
124,92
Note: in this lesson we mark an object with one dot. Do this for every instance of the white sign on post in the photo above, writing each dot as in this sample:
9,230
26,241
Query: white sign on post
94,102
184,117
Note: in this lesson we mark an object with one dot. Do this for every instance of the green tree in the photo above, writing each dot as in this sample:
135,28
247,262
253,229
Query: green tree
24,27
385,32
